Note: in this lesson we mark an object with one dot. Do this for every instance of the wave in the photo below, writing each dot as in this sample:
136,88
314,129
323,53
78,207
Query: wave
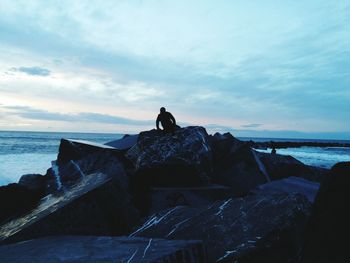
317,156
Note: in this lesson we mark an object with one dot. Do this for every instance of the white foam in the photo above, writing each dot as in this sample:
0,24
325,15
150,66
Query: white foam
316,156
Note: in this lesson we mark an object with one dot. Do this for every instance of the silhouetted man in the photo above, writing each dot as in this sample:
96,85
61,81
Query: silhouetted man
167,120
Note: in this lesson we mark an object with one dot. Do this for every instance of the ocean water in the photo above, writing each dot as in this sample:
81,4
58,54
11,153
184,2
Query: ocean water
324,157
32,152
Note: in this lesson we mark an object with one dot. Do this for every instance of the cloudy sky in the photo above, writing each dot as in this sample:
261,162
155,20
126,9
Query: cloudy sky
255,68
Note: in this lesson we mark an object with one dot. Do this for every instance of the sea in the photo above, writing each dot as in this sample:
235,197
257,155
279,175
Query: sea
32,152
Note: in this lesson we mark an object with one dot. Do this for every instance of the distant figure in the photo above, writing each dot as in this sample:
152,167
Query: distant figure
273,151
167,120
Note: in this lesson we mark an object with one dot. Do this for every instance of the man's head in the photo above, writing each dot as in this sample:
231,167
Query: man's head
162,110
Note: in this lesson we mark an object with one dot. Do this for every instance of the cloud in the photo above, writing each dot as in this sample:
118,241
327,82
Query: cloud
218,128
34,71
252,125
105,118
38,114
284,64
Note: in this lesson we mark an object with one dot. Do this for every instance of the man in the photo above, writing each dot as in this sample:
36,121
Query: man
167,120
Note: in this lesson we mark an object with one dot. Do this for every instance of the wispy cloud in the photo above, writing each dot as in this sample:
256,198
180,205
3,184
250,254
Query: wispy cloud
34,71
252,125
38,114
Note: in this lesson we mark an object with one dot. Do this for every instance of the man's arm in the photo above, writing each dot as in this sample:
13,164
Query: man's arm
172,118
157,123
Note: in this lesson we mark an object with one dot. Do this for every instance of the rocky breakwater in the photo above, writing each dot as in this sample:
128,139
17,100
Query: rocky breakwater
187,185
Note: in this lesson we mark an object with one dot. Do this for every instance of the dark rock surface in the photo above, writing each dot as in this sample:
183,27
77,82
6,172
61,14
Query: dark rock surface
35,182
179,159
235,164
167,197
94,249
223,145
241,170
15,200
124,143
251,229
182,158
97,205
76,149
290,185
328,229
86,159
282,166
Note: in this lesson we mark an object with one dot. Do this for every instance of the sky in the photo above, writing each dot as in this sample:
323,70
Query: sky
253,68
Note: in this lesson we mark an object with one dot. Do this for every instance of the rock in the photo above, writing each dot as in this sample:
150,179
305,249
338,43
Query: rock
179,159
60,249
64,175
167,197
223,145
251,229
77,149
290,185
235,164
328,229
241,171
15,200
97,205
92,158
35,182
282,166
182,158
125,143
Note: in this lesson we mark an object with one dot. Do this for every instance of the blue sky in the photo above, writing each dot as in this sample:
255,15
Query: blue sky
255,68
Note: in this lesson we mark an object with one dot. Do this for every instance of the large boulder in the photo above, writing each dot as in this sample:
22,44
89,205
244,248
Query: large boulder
92,249
235,164
251,229
290,185
223,145
328,229
77,159
181,158
97,205
166,197
76,149
240,170
282,166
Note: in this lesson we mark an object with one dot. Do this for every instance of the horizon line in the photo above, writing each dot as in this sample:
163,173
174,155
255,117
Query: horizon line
232,132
